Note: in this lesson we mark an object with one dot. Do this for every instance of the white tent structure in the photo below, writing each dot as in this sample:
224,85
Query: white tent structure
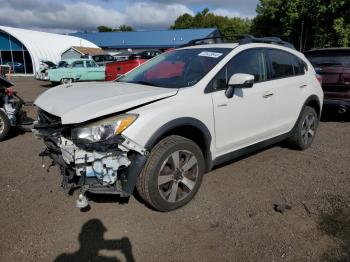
41,45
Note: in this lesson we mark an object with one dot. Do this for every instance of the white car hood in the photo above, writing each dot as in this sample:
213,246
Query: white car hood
80,102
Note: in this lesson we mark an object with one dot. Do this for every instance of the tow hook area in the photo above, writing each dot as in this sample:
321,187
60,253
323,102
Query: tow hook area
82,202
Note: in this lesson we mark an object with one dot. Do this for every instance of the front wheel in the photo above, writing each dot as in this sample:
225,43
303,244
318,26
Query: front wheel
5,125
66,81
305,130
172,174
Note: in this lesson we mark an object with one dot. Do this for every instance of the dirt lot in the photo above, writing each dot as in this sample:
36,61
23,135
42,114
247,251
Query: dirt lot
232,218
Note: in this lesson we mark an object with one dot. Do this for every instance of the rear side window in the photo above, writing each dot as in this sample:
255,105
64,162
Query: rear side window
331,58
90,64
299,66
78,64
281,63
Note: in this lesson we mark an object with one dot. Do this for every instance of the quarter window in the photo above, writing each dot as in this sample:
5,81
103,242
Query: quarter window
299,66
90,64
78,64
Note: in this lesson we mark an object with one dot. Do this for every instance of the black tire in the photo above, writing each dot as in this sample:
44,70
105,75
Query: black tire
298,138
5,125
66,81
147,183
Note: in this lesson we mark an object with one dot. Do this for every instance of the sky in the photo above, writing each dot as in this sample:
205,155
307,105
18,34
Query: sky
65,16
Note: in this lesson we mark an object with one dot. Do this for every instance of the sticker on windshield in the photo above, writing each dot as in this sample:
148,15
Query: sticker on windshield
210,54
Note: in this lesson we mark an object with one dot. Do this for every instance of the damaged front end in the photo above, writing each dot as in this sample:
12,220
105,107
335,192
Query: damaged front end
94,157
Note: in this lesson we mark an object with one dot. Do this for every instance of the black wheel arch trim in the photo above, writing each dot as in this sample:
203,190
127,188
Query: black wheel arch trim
184,121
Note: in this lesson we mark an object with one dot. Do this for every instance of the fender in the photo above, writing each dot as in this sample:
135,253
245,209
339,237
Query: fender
139,161
307,101
184,121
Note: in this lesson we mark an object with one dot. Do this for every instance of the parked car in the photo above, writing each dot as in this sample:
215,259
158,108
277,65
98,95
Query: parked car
73,70
101,59
162,132
11,113
42,72
333,65
118,68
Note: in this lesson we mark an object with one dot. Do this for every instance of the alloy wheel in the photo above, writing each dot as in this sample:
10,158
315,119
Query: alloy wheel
308,128
2,125
178,176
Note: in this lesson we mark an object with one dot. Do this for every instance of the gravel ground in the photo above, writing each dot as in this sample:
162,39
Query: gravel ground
232,218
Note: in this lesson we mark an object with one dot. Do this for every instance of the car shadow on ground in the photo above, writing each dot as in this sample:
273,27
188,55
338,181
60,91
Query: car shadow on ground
91,240
14,132
333,116
47,85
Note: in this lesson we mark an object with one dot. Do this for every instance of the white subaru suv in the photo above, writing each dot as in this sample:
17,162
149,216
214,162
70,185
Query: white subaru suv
160,127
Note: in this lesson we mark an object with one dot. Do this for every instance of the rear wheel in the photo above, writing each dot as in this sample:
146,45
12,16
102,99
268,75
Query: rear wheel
305,131
172,174
5,125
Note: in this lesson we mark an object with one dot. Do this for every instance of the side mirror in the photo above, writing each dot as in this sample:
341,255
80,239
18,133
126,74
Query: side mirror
238,81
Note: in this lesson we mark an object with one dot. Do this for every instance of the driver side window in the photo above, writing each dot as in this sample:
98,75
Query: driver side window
251,62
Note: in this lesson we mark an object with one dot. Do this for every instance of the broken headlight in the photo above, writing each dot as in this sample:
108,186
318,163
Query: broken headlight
104,129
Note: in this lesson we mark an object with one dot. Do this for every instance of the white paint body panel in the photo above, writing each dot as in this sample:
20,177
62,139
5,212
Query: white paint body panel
247,119
80,102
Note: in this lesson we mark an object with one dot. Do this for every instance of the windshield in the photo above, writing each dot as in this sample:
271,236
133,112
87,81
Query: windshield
178,68
330,59
62,64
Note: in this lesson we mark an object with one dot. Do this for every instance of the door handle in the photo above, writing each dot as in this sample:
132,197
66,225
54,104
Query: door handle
267,95
222,105
303,86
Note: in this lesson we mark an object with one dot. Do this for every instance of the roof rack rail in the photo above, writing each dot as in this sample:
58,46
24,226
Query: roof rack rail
240,39
267,40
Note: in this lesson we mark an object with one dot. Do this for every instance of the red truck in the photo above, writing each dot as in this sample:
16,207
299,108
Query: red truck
115,69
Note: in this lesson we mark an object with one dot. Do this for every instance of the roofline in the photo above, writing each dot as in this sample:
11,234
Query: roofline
146,31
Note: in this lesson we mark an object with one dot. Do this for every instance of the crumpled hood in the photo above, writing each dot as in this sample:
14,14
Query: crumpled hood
80,102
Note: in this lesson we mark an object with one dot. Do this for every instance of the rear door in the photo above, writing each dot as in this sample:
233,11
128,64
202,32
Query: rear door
78,70
94,72
290,83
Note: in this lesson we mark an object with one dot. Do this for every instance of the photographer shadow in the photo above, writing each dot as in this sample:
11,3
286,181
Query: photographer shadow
91,239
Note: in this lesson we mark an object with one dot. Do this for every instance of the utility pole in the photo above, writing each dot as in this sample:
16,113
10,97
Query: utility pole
301,36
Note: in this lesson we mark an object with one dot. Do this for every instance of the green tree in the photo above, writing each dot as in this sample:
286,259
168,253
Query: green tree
305,23
122,28
205,19
125,28
103,28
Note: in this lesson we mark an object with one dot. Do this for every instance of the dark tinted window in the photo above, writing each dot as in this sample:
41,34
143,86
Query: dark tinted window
62,64
281,63
299,66
251,62
97,58
329,58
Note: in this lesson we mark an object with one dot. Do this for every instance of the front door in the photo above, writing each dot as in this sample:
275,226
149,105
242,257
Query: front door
248,117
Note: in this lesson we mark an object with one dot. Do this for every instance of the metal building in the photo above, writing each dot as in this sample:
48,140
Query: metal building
157,39
23,49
